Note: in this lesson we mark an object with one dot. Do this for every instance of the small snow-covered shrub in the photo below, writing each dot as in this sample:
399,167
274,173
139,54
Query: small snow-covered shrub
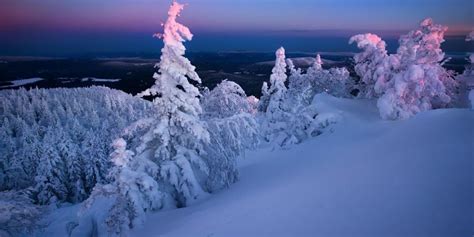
225,100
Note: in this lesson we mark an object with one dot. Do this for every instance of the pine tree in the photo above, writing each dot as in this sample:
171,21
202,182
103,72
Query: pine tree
264,99
225,100
373,65
277,84
176,137
137,191
50,177
318,63
275,114
420,83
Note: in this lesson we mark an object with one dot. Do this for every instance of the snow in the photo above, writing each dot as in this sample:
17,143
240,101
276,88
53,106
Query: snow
471,98
301,61
369,177
94,79
23,82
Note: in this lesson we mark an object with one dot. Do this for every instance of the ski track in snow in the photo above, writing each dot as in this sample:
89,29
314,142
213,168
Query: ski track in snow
369,177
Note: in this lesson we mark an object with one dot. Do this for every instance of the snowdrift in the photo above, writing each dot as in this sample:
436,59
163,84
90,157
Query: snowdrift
369,177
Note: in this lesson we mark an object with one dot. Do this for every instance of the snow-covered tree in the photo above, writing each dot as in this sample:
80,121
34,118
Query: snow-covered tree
176,136
470,68
275,115
467,77
253,104
317,64
299,87
420,83
264,99
54,143
230,137
138,191
277,84
225,100
18,214
50,177
335,81
291,66
373,65
233,129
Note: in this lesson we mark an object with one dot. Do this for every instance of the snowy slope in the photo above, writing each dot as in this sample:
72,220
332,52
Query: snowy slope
368,178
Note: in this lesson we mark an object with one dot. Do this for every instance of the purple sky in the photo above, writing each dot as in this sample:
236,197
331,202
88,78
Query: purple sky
234,15
77,27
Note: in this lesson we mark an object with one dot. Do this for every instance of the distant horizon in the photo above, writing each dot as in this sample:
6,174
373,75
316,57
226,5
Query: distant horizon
87,44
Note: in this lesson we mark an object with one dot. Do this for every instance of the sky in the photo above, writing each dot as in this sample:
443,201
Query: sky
111,25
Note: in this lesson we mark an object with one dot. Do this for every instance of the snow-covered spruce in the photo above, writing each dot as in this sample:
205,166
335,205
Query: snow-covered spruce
410,81
162,165
178,155
289,117
334,81
272,102
469,71
467,77
55,142
420,82
233,129
225,100
373,65
175,138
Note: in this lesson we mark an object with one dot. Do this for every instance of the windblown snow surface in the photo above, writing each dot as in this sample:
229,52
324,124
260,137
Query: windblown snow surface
369,177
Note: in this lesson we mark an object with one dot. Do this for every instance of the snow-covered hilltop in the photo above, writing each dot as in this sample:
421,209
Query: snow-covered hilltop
369,177
386,153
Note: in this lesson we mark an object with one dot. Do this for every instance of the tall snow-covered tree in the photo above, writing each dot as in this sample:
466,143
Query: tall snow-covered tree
176,136
275,113
277,84
420,83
